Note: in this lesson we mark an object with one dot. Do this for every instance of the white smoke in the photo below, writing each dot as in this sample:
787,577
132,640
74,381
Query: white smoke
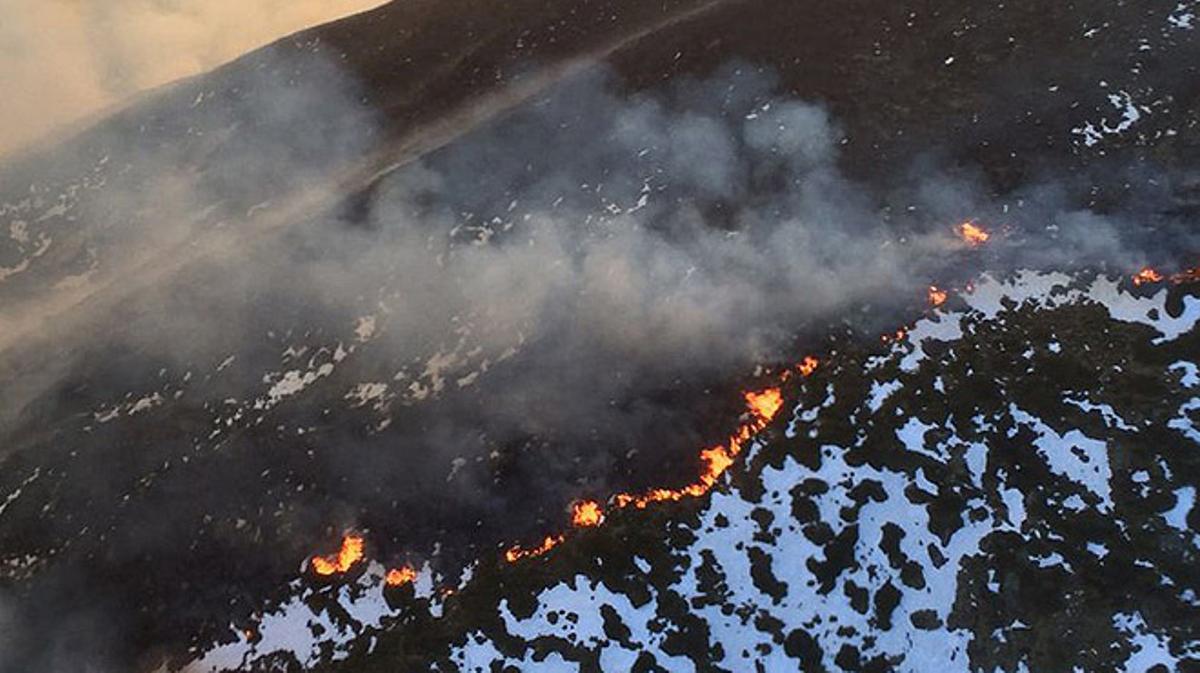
62,60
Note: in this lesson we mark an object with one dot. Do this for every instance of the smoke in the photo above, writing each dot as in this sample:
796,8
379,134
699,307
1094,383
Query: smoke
543,273
535,310
567,273
63,60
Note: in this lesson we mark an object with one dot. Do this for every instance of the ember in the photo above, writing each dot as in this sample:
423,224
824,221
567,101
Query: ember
1186,276
937,297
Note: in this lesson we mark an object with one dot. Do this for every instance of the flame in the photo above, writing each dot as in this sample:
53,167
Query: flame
937,297
514,554
1186,276
399,576
586,514
1150,275
972,234
345,558
807,366
1147,275
762,406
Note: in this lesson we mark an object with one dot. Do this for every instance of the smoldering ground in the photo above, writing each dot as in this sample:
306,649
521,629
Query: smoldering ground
560,304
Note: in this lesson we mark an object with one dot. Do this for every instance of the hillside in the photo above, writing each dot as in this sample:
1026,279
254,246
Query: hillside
429,274
1010,486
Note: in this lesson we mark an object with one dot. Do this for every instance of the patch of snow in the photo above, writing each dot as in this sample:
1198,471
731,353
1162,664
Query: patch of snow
1073,455
912,435
1190,377
1110,416
1185,499
1184,16
946,327
1092,134
1150,649
294,627
880,392
1183,422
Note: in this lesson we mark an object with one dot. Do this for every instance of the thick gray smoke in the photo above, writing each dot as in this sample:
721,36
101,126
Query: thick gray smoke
701,225
706,221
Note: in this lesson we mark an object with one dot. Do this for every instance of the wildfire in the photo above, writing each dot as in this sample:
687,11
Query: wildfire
762,406
1147,275
937,297
345,558
399,576
586,514
972,234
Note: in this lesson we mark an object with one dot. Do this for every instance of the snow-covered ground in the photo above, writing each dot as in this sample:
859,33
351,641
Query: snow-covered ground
891,518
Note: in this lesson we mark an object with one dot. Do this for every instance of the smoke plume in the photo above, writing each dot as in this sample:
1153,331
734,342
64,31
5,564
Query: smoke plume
63,60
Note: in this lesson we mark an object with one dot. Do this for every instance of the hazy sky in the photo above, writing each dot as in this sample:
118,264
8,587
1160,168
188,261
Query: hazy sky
61,60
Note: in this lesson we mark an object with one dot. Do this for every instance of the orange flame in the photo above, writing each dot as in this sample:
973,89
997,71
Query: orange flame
763,406
937,297
400,576
807,366
514,554
586,514
1147,275
972,234
345,558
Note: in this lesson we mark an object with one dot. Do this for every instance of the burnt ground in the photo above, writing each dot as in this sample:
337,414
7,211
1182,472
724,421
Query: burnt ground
172,529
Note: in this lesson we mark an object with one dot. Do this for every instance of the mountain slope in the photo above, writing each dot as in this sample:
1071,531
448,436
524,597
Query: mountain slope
1010,486
431,272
